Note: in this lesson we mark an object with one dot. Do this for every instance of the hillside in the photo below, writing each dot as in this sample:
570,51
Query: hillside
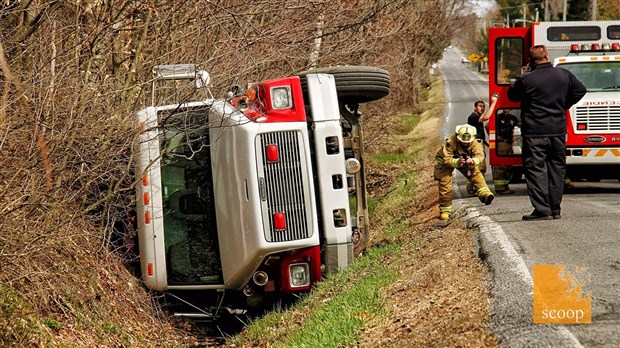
72,76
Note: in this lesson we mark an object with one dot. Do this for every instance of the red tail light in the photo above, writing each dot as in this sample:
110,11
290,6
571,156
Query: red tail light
582,126
615,47
574,48
596,47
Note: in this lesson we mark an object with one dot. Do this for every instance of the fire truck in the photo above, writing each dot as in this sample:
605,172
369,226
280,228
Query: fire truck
254,195
591,51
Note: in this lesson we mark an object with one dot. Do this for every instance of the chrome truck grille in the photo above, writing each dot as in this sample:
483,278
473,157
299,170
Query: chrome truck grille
599,118
284,187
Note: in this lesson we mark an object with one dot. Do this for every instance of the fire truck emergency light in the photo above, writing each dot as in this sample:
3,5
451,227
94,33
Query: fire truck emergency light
279,221
272,153
595,47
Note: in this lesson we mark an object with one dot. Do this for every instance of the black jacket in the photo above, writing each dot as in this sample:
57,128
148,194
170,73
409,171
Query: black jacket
545,93
472,120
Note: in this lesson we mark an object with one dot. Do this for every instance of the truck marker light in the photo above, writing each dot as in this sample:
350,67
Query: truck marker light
574,48
145,198
352,166
272,153
279,221
596,47
147,217
149,269
582,126
145,180
251,94
615,47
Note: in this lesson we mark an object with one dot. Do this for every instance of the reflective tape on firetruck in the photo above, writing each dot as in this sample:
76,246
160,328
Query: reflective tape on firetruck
593,155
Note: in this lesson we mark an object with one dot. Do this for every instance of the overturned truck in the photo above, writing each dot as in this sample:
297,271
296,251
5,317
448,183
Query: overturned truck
255,195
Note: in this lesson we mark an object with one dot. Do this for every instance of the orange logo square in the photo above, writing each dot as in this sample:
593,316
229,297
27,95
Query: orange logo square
558,298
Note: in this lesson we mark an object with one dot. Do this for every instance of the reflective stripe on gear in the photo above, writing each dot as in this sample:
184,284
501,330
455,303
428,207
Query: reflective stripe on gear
445,209
483,191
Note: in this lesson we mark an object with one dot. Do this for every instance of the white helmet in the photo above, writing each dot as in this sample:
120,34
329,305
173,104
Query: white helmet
465,133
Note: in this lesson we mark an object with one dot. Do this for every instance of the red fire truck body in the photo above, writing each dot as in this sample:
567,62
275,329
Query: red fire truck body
591,51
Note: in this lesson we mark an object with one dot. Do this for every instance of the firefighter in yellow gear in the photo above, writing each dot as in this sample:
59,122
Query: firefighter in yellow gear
461,151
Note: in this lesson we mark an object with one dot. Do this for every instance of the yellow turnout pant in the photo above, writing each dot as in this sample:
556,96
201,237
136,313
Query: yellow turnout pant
443,175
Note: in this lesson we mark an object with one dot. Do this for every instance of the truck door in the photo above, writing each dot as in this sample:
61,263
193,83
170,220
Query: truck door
508,49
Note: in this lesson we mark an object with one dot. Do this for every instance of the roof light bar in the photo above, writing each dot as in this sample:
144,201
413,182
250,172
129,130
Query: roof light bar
595,47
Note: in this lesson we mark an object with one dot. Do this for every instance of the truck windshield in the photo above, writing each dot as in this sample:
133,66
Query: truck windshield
597,76
190,230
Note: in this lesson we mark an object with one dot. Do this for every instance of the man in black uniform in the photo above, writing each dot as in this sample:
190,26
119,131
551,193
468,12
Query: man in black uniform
545,92
477,119
505,122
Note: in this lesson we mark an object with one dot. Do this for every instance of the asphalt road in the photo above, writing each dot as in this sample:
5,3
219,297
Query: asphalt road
586,241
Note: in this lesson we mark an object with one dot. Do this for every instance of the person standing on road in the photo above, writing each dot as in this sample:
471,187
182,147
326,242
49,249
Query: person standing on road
464,152
505,123
477,119
545,92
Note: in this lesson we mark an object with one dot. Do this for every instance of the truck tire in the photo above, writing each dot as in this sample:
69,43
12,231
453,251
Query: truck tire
354,84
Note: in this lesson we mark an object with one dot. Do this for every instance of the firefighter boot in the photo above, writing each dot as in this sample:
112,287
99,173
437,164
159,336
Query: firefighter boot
444,213
485,195
503,190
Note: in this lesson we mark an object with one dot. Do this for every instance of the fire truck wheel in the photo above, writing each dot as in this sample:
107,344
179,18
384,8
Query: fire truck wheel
354,84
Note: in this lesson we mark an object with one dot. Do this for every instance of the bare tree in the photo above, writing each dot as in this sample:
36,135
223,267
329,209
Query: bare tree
72,73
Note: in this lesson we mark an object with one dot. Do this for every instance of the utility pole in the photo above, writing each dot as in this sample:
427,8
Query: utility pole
594,10
547,16
524,12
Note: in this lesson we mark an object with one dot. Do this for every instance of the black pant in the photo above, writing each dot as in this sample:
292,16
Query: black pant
544,160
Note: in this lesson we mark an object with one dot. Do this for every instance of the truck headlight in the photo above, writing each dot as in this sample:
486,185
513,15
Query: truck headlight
281,98
299,274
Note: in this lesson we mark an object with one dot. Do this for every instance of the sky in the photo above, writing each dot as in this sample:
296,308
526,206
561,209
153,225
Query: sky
481,7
